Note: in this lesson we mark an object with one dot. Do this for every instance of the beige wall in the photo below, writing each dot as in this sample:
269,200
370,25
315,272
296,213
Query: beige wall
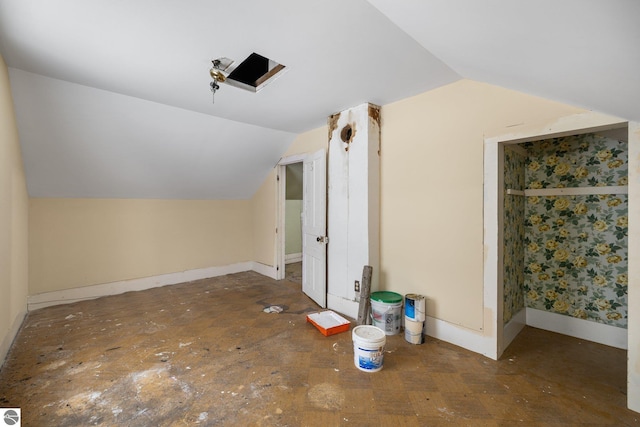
263,215
309,142
81,242
263,203
13,221
432,191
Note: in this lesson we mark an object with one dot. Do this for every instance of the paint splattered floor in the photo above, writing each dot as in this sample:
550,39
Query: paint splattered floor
207,353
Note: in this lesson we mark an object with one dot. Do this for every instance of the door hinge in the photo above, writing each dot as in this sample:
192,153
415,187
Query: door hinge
277,177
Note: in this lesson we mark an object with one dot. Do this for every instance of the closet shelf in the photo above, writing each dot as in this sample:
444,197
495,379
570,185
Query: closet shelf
572,191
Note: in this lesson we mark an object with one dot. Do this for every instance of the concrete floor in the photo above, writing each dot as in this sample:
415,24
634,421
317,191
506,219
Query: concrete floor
206,353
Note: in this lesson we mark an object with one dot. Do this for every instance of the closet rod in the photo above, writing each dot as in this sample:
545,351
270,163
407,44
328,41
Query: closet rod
572,191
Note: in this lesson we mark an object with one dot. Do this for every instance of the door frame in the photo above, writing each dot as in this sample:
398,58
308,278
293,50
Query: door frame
493,202
493,295
281,197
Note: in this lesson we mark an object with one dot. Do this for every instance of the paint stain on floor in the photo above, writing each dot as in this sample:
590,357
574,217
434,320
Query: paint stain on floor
326,396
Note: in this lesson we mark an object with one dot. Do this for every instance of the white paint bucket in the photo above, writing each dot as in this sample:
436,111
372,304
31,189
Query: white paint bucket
413,331
415,307
386,311
368,347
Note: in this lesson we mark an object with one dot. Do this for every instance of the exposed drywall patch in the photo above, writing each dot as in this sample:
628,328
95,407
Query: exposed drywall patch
333,123
374,113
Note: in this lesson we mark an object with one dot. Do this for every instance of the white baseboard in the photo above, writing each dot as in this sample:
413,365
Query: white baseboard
462,337
291,258
633,388
578,328
5,345
265,270
436,328
513,328
67,296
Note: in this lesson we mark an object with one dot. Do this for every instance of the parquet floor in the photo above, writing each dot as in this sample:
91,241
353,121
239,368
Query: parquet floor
206,353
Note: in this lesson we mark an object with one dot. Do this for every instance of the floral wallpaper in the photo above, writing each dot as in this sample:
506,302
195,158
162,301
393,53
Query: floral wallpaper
575,255
513,257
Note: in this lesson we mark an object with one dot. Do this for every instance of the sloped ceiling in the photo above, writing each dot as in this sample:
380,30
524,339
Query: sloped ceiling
112,97
581,52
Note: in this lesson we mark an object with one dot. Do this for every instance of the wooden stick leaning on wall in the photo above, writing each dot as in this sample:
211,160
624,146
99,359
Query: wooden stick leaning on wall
364,309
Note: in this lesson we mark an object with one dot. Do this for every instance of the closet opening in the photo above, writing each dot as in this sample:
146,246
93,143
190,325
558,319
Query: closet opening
500,333
564,236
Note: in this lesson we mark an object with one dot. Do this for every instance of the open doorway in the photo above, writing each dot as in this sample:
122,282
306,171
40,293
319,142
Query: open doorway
312,212
286,164
293,181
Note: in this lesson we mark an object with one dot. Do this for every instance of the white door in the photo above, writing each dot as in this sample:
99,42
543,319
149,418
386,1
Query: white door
314,227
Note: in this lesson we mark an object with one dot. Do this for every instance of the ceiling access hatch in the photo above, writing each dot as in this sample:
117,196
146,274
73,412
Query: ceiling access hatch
254,73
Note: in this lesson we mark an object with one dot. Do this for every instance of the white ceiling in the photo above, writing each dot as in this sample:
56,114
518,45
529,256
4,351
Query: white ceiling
112,96
581,52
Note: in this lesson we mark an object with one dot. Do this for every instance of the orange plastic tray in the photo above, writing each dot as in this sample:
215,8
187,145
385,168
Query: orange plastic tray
328,322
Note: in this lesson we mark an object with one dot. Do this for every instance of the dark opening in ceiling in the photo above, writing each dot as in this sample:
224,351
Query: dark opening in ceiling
254,73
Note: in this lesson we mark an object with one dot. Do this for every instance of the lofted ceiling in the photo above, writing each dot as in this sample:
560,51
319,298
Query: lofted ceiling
112,97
